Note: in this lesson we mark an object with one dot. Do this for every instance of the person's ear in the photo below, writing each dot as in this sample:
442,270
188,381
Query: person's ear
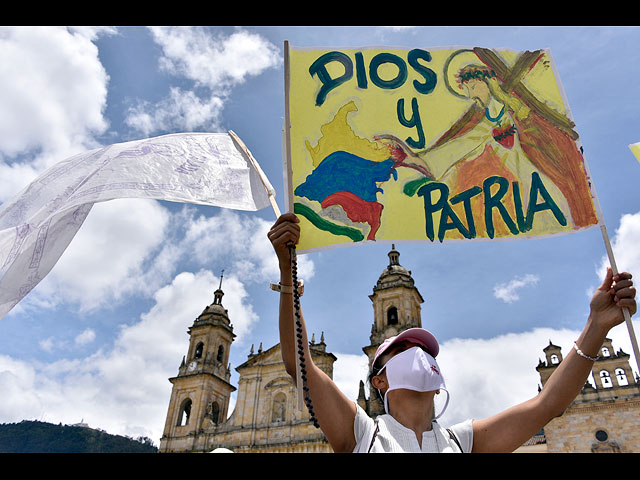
379,382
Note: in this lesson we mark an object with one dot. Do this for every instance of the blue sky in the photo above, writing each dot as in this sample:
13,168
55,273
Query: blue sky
99,337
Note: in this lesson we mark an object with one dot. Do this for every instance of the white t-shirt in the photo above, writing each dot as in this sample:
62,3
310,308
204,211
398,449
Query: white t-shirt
393,437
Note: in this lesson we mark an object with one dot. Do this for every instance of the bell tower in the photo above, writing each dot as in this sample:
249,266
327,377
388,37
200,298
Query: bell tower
396,302
396,307
201,390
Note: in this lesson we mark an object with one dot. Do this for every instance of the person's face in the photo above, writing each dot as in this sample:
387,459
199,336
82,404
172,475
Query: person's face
380,381
478,92
395,349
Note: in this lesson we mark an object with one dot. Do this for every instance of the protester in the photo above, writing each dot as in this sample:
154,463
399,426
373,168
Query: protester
408,377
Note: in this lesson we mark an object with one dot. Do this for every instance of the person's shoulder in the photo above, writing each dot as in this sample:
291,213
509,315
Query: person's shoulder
464,432
361,415
363,427
464,426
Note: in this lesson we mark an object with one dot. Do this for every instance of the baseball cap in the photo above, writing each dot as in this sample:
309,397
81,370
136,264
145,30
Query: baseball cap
416,335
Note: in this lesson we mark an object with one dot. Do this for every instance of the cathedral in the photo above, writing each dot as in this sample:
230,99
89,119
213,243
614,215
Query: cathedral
266,417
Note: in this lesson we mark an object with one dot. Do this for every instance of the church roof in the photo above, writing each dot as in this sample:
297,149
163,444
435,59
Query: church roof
273,355
215,313
395,275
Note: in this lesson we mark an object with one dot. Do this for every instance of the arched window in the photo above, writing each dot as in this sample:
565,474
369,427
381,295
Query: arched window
606,379
392,316
278,410
185,413
213,411
199,350
554,359
621,377
605,352
220,353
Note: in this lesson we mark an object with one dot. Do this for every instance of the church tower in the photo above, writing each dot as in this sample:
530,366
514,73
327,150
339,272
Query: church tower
553,356
396,307
201,390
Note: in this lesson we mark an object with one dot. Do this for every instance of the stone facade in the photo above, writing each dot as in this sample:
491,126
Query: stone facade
266,417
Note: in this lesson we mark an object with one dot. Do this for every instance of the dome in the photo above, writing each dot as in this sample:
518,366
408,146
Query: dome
394,274
216,309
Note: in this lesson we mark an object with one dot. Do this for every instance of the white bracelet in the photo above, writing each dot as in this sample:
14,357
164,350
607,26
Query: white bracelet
278,287
579,352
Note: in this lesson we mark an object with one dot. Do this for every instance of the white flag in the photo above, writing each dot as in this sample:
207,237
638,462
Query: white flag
38,224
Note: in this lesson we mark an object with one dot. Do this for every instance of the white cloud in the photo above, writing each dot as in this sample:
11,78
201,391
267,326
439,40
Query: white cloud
624,244
214,62
19,397
52,344
182,110
86,337
508,292
348,370
53,92
47,344
106,259
243,241
53,89
484,377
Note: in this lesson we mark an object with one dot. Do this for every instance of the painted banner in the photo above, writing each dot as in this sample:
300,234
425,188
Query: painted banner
433,145
635,149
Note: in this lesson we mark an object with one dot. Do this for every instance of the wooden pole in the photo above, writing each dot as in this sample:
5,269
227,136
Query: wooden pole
287,169
287,130
625,311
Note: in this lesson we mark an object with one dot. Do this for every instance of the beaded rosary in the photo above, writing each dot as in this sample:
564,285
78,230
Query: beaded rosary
296,306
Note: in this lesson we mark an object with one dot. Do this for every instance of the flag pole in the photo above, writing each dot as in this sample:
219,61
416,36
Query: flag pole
287,130
625,310
287,167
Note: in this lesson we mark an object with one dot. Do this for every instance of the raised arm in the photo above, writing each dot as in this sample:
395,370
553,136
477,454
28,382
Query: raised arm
333,410
508,430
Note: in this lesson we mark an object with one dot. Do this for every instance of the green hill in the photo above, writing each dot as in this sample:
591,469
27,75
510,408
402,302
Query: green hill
41,437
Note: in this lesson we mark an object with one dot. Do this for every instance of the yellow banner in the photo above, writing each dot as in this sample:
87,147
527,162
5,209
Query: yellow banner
431,145
635,149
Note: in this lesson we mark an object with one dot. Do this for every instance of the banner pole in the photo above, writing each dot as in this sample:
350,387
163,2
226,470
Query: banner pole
287,169
288,181
625,311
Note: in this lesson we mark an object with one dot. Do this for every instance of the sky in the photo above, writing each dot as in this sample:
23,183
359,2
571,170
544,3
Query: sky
97,340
